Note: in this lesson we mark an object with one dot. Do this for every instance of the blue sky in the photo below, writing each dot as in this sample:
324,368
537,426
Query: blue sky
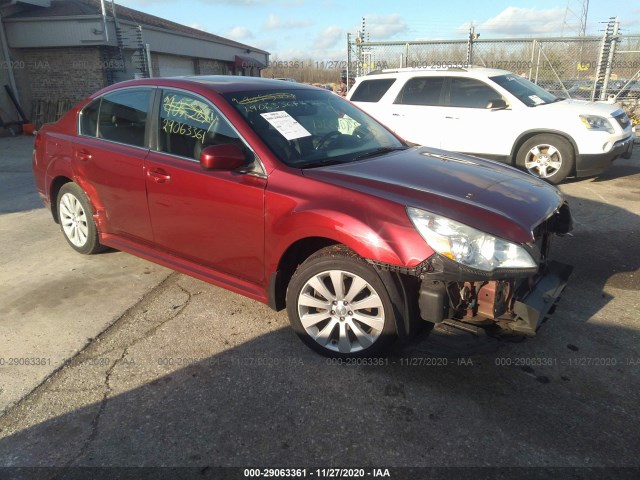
303,29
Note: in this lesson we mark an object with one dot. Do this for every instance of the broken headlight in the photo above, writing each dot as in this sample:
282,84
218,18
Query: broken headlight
468,246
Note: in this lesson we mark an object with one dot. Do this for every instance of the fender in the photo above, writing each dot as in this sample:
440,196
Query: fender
323,210
381,243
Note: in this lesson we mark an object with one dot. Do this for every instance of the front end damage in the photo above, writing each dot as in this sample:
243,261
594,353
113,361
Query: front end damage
505,301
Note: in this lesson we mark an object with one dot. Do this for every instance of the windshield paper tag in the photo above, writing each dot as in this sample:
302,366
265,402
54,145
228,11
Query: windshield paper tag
536,99
288,127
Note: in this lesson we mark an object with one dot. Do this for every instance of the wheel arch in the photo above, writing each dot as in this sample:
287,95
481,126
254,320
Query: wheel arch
293,256
524,136
402,292
54,189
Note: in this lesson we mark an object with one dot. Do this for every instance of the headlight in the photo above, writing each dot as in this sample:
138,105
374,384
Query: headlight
467,245
596,123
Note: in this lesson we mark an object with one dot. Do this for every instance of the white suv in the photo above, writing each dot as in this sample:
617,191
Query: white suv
498,115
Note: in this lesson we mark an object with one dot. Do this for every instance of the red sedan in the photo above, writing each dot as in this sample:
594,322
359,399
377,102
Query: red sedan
292,196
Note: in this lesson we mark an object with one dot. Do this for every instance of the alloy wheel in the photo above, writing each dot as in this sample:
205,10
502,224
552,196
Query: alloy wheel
341,311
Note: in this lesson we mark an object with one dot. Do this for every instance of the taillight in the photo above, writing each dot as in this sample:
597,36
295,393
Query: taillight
37,141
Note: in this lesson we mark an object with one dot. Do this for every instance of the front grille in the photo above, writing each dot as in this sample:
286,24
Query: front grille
623,120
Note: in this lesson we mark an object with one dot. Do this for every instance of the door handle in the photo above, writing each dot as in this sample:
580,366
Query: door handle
453,118
159,175
83,155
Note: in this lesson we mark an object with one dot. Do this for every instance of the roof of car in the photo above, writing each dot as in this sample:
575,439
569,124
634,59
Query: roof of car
219,83
436,70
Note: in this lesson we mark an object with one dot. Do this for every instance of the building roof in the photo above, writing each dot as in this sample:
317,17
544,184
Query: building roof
73,8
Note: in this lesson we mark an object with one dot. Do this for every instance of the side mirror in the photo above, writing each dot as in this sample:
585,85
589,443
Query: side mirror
222,157
497,104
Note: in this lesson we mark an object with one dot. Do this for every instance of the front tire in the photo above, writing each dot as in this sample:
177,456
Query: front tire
339,306
76,220
549,157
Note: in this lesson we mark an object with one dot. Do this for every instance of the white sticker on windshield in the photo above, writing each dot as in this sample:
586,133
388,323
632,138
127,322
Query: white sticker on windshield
288,126
536,99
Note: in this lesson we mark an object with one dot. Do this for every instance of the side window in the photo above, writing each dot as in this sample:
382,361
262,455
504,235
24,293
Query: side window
123,116
471,93
422,91
188,124
89,119
372,90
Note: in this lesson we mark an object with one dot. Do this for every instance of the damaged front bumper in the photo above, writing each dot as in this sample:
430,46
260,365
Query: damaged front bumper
515,306
530,311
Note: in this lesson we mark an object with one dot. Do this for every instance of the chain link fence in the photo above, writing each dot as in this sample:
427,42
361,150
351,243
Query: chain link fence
590,68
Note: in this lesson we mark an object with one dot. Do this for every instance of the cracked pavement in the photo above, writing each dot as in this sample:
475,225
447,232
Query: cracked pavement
192,375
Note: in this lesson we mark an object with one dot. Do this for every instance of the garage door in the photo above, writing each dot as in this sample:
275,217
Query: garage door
173,66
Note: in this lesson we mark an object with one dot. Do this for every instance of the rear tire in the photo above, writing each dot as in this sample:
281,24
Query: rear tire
76,220
339,306
547,156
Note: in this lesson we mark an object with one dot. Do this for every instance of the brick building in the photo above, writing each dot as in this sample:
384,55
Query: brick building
56,52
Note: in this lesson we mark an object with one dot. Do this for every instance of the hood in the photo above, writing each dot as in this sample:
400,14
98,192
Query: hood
483,194
585,107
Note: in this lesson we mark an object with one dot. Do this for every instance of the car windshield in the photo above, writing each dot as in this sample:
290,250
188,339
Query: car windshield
527,92
307,128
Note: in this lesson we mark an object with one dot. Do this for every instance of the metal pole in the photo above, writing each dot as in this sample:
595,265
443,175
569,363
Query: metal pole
5,52
147,52
612,51
538,64
533,53
470,45
348,58
104,21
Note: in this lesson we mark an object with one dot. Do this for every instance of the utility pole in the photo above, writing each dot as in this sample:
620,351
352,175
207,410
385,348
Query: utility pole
575,18
473,36
605,59
359,40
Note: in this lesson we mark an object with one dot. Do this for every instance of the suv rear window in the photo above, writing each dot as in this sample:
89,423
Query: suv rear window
372,90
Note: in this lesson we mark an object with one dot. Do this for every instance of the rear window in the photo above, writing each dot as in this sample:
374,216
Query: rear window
372,90
422,91
119,116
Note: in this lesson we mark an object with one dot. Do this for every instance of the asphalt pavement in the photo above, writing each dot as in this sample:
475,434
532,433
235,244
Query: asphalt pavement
53,301
157,369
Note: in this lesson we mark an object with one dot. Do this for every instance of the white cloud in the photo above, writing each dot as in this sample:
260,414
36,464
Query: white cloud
199,26
381,28
515,21
293,3
239,33
329,38
631,22
274,22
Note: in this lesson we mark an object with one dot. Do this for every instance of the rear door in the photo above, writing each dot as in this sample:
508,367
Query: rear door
109,155
213,218
417,112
